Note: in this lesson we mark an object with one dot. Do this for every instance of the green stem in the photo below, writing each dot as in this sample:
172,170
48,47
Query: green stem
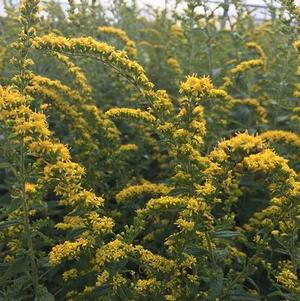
210,249
26,221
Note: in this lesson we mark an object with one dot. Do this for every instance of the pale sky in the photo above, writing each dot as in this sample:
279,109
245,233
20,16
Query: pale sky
154,3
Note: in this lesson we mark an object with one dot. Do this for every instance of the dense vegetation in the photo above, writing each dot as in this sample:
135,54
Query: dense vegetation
149,155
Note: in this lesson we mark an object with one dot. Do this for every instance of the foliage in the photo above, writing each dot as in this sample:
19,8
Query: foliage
149,156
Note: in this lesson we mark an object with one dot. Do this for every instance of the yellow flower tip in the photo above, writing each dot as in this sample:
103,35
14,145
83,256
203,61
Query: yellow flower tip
146,286
173,63
100,225
30,188
195,86
130,113
287,278
185,225
67,250
297,44
70,274
136,191
275,233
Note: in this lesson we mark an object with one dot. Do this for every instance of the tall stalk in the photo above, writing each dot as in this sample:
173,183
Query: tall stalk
26,222
28,10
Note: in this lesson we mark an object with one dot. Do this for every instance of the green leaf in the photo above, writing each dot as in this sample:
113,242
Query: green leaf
245,298
226,234
20,265
280,251
196,251
253,283
102,290
6,224
216,284
4,165
43,294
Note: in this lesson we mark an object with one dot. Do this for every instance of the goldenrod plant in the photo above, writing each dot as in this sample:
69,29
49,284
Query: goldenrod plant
149,154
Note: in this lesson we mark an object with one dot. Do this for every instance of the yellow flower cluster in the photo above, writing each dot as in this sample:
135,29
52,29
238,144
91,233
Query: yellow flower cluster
115,251
267,161
188,206
281,136
57,167
107,127
155,261
197,87
30,188
70,222
259,109
191,153
190,237
38,81
147,286
46,146
297,44
67,111
160,102
287,278
227,82
258,49
246,65
118,281
185,225
130,113
35,123
165,202
136,191
176,31
79,77
126,148
100,225
29,13
130,46
173,63
14,110
69,250
243,142
98,50
102,278
70,274
296,111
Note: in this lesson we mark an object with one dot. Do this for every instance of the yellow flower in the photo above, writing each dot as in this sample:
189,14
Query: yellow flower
130,113
143,189
185,225
287,278
267,161
173,63
99,50
30,188
275,233
68,249
117,281
297,44
157,262
284,136
130,46
113,251
195,86
102,278
99,224
70,274
246,65
146,286
70,222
